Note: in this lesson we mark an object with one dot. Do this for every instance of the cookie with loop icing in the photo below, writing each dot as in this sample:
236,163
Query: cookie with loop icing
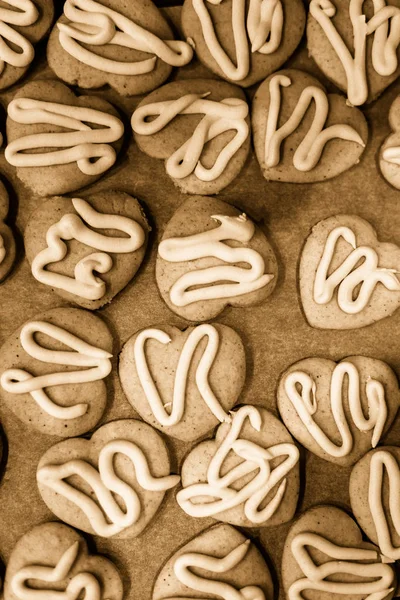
389,154
243,41
127,45
201,128
57,559
303,134
60,142
7,241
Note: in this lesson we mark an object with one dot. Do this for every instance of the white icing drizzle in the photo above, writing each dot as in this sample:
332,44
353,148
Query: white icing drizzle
385,25
73,227
220,589
218,493
177,406
94,24
3,251
306,405
381,460
105,515
25,15
392,155
19,381
263,27
309,151
319,577
81,143
219,117
348,276
81,582
209,244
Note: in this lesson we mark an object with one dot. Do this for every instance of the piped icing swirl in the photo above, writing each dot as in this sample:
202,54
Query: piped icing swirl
25,14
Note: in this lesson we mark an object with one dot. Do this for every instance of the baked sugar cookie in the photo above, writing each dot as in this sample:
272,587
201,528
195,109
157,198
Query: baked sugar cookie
374,497
23,23
127,45
341,410
84,134
52,370
301,133
201,129
326,557
7,241
220,562
337,290
111,485
183,382
87,250
53,560
197,269
243,41
248,475
389,155
356,45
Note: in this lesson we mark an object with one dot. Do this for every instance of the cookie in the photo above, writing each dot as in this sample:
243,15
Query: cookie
20,31
84,131
325,557
201,128
196,233
183,382
355,44
127,458
227,565
374,497
132,48
341,410
389,154
7,241
57,559
248,475
337,290
302,134
243,41
57,391
87,250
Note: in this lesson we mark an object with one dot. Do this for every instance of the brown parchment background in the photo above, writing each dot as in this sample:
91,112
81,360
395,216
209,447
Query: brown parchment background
275,334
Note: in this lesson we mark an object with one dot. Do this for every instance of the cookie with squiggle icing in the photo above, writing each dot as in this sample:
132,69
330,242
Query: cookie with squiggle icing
183,382
87,250
60,142
243,41
389,154
111,485
131,47
325,556
57,559
52,371
301,133
341,410
7,241
247,475
218,562
201,128
210,256
348,278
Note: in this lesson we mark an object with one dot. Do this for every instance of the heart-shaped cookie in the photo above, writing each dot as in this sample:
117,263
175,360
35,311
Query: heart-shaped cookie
52,370
243,42
110,485
79,247
133,49
202,247
226,564
338,410
325,557
83,132
355,44
248,475
7,241
348,279
302,134
183,382
374,497
56,558
389,154
200,127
